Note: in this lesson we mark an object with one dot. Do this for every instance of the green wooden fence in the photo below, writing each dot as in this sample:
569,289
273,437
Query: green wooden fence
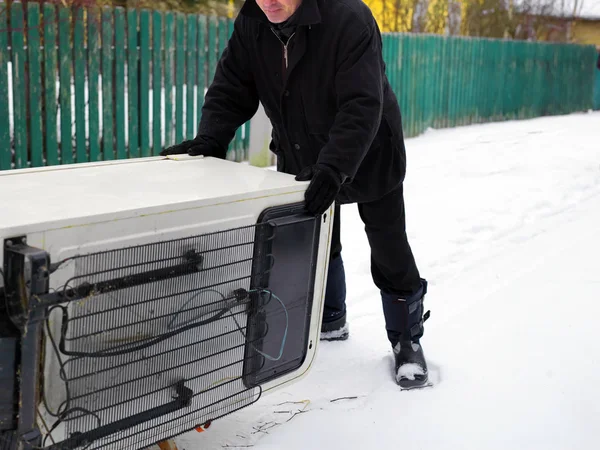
447,82
597,91
80,85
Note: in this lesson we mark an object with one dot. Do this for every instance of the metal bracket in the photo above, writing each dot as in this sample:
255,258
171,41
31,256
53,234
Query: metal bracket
26,273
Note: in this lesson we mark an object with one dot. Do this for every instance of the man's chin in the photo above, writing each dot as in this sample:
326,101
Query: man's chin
276,17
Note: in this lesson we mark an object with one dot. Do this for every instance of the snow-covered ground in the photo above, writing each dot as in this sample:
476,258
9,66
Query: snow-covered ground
504,220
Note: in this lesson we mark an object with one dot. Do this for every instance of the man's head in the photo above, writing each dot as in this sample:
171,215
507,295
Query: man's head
278,11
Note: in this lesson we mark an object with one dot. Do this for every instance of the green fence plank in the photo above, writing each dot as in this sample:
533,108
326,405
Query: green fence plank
157,67
391,63
567,75
536,80
488,70
413,90
544,81
93,64
461,82
417,107
468,80
429,86
443,108
591,64
518,76
566,94
508,82
223,35
36,132
79,73
528,94
596,103
238,141
405,95
50,71
472,89
454,91
481,87
238,144
456,86
144,84
65,67
190,76
549,85
443,86
212,47
169,72
133,80
202,77
577,93
422,83
5,150
119,87
562,71
470,68
462,57
108,136
452,88
437,72
180,71
437,79
500,82
246,140
439,104
596,82
19,86
408,90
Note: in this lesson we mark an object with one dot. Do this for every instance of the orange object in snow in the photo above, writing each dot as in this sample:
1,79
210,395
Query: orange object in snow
201,428
167,445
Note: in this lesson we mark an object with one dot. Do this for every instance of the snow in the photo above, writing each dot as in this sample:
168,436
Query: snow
336,334
503,220
409,371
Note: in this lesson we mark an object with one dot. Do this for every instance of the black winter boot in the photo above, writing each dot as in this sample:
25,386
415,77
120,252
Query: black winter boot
404,323
335,331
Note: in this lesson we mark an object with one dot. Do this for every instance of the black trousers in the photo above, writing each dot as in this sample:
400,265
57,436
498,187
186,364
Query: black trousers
393,267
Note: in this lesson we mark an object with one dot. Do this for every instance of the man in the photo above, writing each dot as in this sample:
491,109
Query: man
317,68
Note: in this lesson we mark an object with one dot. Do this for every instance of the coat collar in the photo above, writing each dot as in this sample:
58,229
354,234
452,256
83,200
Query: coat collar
309,13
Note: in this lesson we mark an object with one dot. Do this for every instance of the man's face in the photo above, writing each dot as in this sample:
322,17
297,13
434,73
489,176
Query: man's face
278,11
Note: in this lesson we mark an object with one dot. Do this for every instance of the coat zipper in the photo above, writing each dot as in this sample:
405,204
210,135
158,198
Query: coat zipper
285,46
285,58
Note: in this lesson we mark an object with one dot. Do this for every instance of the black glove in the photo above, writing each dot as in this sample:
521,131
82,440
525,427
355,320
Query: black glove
193,147
325,184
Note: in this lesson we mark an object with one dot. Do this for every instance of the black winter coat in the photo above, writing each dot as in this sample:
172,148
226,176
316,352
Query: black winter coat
326,94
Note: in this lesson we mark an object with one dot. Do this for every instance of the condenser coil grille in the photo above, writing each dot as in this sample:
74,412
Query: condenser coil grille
150,341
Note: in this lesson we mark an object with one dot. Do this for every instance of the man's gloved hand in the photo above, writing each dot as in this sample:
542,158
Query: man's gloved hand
325,184
193,147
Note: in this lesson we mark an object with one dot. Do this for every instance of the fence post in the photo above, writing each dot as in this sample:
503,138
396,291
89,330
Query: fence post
5,151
